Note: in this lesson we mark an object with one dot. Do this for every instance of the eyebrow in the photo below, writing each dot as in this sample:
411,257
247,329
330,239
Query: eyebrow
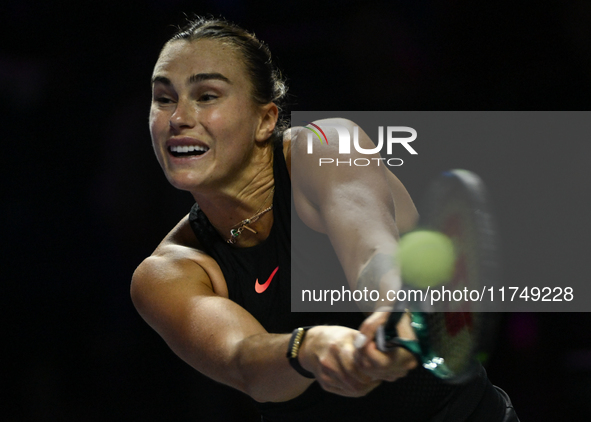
198,77
161,79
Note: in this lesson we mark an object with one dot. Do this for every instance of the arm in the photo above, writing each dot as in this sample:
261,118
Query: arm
173,292
358,208
182,294
361,209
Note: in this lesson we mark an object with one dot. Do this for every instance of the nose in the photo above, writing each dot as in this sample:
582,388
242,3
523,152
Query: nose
184,116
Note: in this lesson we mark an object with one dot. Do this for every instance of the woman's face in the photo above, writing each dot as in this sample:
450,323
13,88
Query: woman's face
203,120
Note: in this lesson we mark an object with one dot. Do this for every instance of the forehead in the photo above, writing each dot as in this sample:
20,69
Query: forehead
202,56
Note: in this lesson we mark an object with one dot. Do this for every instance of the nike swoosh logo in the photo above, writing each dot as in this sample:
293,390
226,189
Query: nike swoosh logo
260,288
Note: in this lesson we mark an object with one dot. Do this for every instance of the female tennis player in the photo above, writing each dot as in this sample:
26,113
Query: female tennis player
217,288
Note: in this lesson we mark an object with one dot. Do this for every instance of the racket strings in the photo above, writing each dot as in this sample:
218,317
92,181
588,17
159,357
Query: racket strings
454,332
453,339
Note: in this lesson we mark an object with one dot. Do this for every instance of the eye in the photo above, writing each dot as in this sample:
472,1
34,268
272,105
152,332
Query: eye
207,97
162,100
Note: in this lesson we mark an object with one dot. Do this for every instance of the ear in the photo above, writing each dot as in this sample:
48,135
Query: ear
269,114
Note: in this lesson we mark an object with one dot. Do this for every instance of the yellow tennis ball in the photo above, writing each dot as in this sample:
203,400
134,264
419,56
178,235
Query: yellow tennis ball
426,258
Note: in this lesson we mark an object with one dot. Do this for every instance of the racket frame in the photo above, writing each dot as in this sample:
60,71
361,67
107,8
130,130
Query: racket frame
488,274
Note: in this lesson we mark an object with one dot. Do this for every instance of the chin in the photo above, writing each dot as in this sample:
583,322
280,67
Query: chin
184,182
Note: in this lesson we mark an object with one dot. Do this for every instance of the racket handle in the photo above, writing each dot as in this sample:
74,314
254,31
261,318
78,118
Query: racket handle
387,334
387,337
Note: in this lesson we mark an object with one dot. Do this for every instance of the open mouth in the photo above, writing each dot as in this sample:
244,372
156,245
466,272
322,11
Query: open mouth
187,150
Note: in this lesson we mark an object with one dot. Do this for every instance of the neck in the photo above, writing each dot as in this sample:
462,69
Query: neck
249,194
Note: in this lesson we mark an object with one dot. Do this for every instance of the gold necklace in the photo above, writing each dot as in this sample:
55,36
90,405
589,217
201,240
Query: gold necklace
239,228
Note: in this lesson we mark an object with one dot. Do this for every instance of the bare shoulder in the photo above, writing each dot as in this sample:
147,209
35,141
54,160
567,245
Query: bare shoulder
317,178
181,293
327,131
294,137
178,265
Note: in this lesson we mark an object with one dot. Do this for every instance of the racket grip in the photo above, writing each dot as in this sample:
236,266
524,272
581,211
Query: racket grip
387,337
387,334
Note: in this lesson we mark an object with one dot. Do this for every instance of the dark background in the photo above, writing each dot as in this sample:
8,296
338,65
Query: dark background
84,200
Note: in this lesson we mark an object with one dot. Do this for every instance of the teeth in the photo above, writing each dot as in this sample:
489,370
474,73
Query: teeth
187,148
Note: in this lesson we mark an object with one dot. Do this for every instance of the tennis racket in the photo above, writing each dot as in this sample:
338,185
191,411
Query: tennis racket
453,336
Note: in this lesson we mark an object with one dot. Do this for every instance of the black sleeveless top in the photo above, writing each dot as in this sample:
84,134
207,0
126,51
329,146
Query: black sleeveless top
243,268
416,397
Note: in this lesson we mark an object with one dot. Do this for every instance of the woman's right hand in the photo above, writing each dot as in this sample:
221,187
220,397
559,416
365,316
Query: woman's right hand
343,367
330,354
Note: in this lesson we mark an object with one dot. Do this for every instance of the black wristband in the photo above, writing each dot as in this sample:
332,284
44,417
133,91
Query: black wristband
297,337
